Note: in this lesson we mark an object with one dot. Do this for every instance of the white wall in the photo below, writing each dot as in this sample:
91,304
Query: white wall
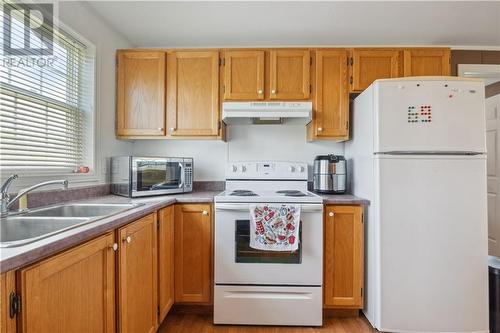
245,142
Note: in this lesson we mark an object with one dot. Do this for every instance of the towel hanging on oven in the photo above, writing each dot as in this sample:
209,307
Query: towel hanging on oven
274,227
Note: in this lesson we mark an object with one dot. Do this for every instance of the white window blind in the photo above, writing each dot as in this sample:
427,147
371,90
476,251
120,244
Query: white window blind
45,105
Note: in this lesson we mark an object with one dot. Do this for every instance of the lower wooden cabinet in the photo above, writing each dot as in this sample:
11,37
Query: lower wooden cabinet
343,257
193,253
71,292
137,276
7,287
165,261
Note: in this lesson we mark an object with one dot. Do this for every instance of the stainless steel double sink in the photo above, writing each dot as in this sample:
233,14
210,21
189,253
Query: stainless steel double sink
26,227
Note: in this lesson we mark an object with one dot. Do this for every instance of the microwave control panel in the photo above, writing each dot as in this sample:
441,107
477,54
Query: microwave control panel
419,114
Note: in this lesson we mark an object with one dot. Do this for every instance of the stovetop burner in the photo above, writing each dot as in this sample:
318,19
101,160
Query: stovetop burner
292,193
243,193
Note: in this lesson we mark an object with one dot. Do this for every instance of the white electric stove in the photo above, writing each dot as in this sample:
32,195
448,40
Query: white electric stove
267,287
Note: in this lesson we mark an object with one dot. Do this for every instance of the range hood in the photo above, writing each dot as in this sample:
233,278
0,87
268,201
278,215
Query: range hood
266,112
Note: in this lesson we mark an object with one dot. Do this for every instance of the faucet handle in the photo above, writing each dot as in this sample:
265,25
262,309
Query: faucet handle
5,186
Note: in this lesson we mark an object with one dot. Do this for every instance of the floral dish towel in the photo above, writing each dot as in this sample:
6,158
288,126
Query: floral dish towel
274,227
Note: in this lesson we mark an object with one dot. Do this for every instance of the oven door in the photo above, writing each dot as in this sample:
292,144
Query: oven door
151,176
237,263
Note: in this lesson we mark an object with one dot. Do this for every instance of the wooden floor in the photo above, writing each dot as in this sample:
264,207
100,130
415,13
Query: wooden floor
202,323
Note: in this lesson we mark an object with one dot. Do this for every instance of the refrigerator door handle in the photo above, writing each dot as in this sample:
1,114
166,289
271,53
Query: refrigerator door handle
429,152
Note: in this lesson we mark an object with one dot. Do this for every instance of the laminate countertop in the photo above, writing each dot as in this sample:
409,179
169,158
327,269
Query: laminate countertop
23,255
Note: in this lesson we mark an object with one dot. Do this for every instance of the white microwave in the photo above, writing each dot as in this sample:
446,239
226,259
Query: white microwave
134,176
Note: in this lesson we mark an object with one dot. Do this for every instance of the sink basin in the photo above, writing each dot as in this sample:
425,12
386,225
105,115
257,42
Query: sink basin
80,210
33,225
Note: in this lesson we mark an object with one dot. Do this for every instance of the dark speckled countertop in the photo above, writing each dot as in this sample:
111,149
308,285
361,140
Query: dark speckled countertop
16,257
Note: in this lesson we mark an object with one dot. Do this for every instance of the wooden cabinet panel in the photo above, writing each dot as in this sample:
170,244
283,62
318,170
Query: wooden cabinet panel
193,253
369,65
193,93
71,292
137,276
165,261
289,74
343,270
140,97
331,95
243,75
7,286
426,62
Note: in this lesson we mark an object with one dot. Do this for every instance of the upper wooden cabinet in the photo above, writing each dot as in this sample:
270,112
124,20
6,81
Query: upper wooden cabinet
343,257
140,103
427,62
243,75
193,93
165,261
330,96
137,276
193,253
289,72
368,65
71,292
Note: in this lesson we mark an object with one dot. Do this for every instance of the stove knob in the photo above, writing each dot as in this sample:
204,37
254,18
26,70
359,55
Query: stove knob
243,168
234,168
301,169
291,168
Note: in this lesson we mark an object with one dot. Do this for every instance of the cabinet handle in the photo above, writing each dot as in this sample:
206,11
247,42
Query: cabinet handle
160,128
127,239
330,214
273,91
320,129
259,91
114,247
172,129
204,213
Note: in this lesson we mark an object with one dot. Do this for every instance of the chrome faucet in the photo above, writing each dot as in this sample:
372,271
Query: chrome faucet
6,202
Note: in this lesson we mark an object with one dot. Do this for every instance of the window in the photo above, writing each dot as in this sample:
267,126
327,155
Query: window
46,105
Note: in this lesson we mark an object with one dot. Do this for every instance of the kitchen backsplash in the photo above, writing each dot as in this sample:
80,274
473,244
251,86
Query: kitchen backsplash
244,142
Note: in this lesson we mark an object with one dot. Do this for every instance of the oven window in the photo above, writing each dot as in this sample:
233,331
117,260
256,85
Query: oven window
246,254
153,175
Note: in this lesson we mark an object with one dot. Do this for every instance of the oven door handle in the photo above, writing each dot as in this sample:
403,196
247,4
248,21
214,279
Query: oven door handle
183,176
306,208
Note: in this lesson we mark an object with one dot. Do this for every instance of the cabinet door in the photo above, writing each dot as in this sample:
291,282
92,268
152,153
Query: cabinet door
426,62
137,276
331,95
7,286
193,253
289,74
193,93
71,292
244,75
140,97
343,271
165,261
369,65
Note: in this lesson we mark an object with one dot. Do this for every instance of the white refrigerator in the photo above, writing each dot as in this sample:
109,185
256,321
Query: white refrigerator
418,154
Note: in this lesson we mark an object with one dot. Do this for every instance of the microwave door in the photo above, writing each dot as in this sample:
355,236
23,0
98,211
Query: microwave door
173,177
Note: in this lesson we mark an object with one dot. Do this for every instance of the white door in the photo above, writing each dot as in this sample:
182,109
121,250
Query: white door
432,244
493,171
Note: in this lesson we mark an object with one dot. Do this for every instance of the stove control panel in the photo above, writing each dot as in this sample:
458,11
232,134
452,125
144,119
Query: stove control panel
267,170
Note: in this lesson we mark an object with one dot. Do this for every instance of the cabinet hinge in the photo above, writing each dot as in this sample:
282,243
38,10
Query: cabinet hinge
158,311
14,304
219,126
361,291
350,80
222,61
310,88
310,61
224,89
347,125
351,61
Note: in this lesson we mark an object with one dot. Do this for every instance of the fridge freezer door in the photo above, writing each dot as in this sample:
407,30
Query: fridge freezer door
432,243
429,115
